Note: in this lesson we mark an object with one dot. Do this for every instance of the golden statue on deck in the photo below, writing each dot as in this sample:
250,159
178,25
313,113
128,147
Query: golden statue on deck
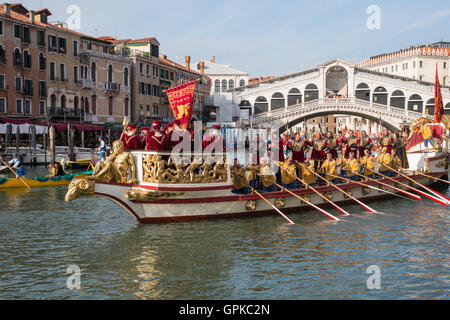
115,168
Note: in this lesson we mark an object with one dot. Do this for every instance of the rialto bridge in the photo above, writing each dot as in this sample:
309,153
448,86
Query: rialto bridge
339,88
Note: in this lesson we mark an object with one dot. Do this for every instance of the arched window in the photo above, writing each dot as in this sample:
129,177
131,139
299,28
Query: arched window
63,101
42,62
429,107
380,95
261,105
362,92
93,72
294,97
277,101
26,59
447,108
110,73
231,84
125,77
224,85
17,58
398,99
242,83
217,86
311,92
415,103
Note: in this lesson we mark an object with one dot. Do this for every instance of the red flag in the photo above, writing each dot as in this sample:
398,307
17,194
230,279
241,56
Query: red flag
181,101
438,104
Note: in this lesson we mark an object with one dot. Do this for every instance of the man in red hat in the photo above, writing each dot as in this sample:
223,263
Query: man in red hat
213,140
131,140
157,140
143,137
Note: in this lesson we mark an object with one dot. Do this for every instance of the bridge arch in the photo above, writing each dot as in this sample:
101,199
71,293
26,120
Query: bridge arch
398,99
277,101
294,97
362,91
415,103
261,105
311,92
380,95
292,123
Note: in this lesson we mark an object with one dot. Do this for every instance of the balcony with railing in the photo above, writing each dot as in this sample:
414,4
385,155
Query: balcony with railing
111,86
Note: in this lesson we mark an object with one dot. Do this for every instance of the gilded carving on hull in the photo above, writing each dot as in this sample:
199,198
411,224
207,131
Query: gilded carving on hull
79,187
250,205
280,203
365,190
306,198
169,170
346,196
329,195
139,195
382,187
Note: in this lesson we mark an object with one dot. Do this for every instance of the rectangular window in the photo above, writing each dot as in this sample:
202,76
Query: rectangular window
19,106
28,87
52,47
42,89
156,110
2,82
154,50
1,27
27,106
62,72
75,74
75,48
420,64
141,88
414,64
41,38
148,89
148,70
445,65
18,84
52,71
62,46
2,105
171,76
396,67
162,73
17,31
26,35
42,107
141,68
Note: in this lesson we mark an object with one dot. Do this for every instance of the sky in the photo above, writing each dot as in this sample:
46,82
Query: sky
262,37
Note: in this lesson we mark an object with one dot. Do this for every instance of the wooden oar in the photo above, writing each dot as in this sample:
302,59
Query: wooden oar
438,200
425,175
375,188
347,194
268,202
345,213
389,186
26,185
437,194
307,202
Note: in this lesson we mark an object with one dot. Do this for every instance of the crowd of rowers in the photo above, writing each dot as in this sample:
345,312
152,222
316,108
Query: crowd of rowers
357,160
165,139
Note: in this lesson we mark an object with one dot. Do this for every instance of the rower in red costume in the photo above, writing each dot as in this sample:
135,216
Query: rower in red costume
318,144
143,137
156,122
157,141
131,140
213,141
298,148
331,145
364,143
177,134
352,145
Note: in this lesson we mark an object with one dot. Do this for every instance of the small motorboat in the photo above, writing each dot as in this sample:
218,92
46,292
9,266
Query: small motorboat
39,182
77,164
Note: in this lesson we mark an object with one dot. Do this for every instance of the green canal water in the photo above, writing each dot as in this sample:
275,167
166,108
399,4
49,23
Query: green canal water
246,258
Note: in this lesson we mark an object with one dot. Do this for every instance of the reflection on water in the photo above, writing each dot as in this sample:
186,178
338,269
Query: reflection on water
252,258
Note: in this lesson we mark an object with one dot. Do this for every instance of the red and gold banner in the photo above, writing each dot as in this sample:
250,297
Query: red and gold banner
438,104
181,99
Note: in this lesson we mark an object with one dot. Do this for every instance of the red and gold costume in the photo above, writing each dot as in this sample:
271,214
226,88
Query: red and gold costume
364,143
352,146
387,142
332,147
157,142
318,152
298,148
131,142
277,148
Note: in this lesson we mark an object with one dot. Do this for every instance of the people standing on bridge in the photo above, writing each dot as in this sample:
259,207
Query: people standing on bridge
17,165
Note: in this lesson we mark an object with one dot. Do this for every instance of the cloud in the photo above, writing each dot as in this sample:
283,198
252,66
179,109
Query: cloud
428,20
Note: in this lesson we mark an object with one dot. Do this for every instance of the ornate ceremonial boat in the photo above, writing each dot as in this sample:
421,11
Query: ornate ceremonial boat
166,191
40,182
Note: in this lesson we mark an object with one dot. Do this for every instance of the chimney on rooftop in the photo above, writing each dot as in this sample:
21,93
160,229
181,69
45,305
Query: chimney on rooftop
32,16
7,9
60,25
202,68
188,62
213,59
